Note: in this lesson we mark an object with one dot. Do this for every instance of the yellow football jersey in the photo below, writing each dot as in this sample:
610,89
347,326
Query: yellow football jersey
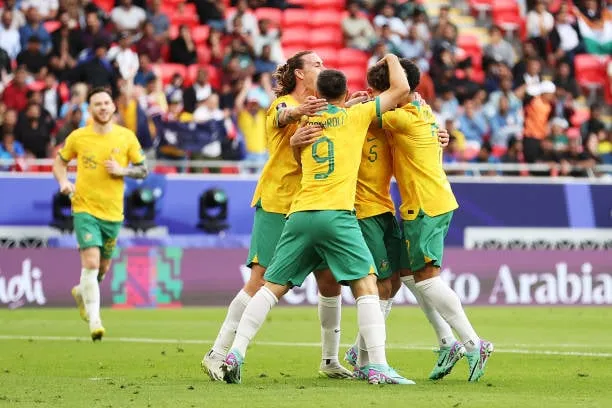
375,171
417,158
330,165
280,177
97,192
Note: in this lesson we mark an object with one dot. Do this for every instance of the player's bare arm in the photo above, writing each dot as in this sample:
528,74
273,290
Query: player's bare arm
138,171
310,107
398,82
304,136
356,97
60,172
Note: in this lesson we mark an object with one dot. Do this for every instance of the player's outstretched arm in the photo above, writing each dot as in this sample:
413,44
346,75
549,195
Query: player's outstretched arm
60,172
398,82
310,107
137,171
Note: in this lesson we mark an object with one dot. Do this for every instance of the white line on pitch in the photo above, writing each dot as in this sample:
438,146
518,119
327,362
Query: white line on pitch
294,344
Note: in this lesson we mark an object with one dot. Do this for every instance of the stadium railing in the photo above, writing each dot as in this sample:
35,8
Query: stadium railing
254,167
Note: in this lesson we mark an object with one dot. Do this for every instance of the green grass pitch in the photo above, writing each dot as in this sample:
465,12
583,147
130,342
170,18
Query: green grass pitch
557,357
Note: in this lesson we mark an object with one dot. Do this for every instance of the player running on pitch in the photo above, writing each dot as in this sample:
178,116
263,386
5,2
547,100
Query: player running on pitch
277,186
103,151
322,225
427,207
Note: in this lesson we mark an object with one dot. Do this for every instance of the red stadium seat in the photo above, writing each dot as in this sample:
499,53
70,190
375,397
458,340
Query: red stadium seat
356,78
470,44
328,37
52,25
329,57
214,76
199,34
579,117
188,20
480,7
590,70
203,54
349,57
295,18
106,5
165,170
268,13
296,37
325,18
290,51
327,4
167,70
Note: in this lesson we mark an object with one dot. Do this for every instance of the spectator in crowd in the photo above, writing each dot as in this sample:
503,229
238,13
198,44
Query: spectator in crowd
149,44
505,124
513,155
564,39
505,90
264,62
412,47
67,45
72,122
485,156
473,125
35,27
127,17
9,121
200,90
578,160
159,20
419,20
33,59
426,86
211,12
248,20
78,98
539,25
558,135
531,77
251,105
47,9
442,21
387,18
176,84
215,45
563,105
9,34
182,48
456,151
17,17
449,103
94,32
464,87
594,125
15,94
499,49
33,133
357,29
379,50
122,56
537,114
565,80
96,70
391,39
145,70
10,148
51,95
35,97
270,37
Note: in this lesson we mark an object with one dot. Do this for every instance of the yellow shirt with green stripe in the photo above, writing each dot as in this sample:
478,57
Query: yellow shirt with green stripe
417,159
373,196
280,177
331,164
97,192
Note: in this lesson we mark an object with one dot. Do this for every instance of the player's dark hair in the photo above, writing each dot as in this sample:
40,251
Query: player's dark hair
331,84
97,90
285,74
378,75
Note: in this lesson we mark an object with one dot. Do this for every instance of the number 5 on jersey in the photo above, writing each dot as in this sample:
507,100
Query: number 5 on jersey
318,154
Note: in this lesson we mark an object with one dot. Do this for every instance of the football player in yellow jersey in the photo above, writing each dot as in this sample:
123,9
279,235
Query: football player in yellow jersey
427,207
277,186
103,151
322,225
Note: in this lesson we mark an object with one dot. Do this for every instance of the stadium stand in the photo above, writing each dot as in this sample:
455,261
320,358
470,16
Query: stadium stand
471,79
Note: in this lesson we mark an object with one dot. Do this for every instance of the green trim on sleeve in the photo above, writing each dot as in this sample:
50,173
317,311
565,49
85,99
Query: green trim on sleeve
62,157
378,114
